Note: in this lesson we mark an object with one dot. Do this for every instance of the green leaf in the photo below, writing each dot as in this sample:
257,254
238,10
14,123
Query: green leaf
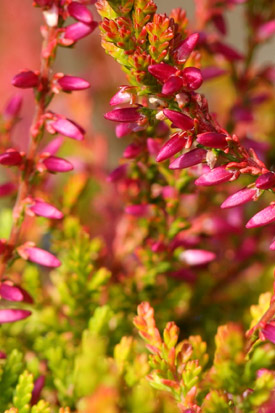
23,392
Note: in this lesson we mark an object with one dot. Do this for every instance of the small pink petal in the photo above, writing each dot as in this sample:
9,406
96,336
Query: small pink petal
192,77
2,355
132,151
214,177
77,31
172,85
227,51
266,181
26,79
56,164
7,189
46,210
180,120
197,257
137,210
175,144
14,293
162,71
80,12
68,127
13,107
11,315
10,158
269,332
124,129
124,115
121,97
118,173
220,23
211,72
187,46
212,140
239,198
153,146
37,388
70,83
53,145
265,216
272,246
190,158
41,257
266,30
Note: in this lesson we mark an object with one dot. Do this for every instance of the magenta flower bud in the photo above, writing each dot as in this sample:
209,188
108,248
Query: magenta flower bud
80,12
212,140
175,144
56,164
53,145
10,315
272,246
118,173
124,115
190,158
183,274
70,83
162,129
269,332
25,80
124,129
2,355
137,210
265,216
266,30
242,114
214,177
192,77
187,46
7,189
10,158
37,388
172,85
77,31
68,128
14,293
132,151
239,198
220,23
162,71
43,209
266,181
152,146
178,119
197,257
122,96
13,107
227,51
41,257
210,72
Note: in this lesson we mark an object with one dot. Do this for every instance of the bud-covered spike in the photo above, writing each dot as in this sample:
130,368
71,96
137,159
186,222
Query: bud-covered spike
26,79
188,159
41,257
239,198
124,115
212,140
56,164
214,177
180,120
71,83
162,71
10,315
175,144
265,216
172,85
187,46
46,210
80,12
192,77
68,128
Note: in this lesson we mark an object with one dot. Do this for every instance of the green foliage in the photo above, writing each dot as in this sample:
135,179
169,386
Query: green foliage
23,393
12,369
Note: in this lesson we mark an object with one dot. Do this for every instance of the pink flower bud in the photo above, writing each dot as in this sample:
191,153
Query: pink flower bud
197,257
7,189
69,83
266,30
272,246
37,388
56,164
10,158
13,107
137,210
214,177
179,119
43,209
242,114
162,71
219,23
212,140
25,80
132,151
124,115
40,256
227,51
68,128
187,46
118,173
152,146
80,12
162,129
14,293
172,85
77,31
190,158
239,198
2,355
122,96
266,181
265,216
53,145
10,315
269,332
124,129
192,77
175,144
210,72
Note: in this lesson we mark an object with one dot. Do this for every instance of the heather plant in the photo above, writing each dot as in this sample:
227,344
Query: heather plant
172,231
